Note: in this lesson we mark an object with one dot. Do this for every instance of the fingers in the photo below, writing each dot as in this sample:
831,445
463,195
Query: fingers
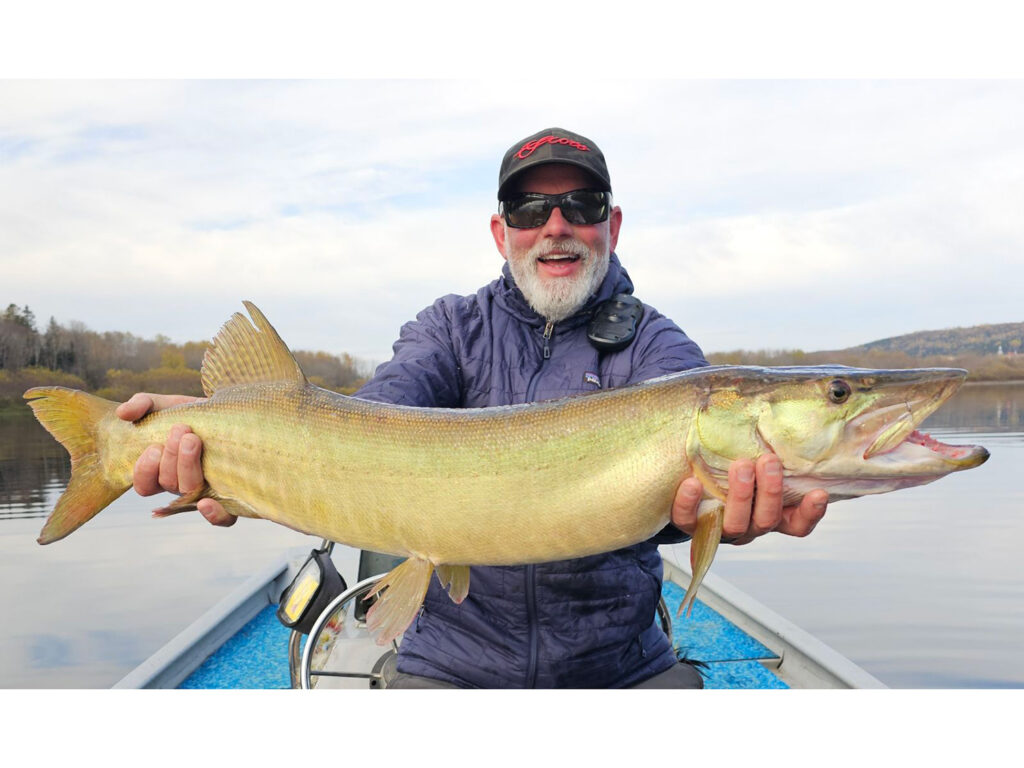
168,475
739,501
754,503
215,513
145,476
141,403
137,406
768,499
190,468
176,466
684,507
801,519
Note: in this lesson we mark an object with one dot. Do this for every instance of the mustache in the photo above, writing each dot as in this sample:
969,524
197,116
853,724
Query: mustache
568,246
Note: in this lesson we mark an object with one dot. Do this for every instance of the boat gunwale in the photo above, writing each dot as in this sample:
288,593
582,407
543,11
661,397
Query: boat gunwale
804,660
169,666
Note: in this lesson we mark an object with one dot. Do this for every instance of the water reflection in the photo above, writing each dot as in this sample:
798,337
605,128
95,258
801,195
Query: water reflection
85,611
34,468
982,407
922,587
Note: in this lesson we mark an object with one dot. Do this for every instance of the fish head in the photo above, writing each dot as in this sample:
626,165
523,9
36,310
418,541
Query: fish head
852,431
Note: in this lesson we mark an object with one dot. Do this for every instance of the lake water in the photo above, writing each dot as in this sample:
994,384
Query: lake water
924,588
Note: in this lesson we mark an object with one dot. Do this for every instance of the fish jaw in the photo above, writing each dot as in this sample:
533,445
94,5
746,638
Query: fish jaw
898,420
882,448
852,431
921,449
918,460
893,445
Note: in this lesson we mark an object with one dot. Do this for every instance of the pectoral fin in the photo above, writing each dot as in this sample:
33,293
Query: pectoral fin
454,578
188,502
399,596
703,547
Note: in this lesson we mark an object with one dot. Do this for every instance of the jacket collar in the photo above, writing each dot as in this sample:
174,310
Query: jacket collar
511,299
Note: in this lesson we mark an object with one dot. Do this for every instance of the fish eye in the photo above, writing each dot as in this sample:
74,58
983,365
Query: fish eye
839,391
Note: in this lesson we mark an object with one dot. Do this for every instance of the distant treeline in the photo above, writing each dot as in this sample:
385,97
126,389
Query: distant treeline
115,364
981,367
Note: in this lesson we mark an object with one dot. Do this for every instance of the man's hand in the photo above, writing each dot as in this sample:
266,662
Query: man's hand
749,515
176,465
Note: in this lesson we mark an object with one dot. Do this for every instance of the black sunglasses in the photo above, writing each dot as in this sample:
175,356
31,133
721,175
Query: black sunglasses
581,206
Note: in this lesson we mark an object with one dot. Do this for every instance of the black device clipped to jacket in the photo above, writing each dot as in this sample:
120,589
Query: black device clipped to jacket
615,321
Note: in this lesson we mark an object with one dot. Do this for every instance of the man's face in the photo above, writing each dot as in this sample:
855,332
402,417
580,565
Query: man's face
557,265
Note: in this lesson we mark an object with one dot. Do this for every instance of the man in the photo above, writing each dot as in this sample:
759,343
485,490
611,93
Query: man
587,622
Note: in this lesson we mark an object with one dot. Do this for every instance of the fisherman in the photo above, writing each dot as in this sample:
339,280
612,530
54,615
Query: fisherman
559,321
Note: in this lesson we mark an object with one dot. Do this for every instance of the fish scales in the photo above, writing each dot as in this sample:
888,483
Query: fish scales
494,486
452,488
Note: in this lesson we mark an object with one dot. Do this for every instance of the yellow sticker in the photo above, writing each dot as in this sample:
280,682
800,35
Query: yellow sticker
299,599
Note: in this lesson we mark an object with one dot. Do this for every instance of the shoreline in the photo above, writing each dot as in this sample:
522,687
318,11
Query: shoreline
16,404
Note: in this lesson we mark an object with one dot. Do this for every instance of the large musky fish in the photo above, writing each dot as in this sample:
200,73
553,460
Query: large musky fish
453,488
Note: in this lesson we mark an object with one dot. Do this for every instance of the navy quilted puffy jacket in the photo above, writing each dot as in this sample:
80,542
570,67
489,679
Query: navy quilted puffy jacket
583,623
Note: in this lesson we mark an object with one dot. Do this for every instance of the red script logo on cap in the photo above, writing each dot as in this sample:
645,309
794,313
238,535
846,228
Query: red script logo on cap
531,146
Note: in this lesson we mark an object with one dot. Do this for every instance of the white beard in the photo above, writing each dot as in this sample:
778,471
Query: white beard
558,298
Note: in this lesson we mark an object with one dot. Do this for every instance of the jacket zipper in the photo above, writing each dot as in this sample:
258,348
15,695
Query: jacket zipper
531,570
531,388
531,614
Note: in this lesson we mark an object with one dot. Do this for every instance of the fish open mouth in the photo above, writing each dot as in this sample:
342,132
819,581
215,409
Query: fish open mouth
954,452
895,424
963,456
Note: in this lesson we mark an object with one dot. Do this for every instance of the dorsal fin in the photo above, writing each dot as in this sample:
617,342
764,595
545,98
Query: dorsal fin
244,354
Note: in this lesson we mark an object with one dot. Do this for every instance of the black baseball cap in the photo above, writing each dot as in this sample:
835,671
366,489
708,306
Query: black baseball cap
553,145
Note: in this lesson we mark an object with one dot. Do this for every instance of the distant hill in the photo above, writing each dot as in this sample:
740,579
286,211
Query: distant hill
988,352
1006,338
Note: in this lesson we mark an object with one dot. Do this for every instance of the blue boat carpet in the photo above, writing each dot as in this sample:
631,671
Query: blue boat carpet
729,652
257,657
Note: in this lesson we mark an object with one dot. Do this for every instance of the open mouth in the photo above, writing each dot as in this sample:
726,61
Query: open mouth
897,437
959,454
559,265
964,456
949,451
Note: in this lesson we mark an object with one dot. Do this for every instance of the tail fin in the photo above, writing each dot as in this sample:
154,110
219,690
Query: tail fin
73,417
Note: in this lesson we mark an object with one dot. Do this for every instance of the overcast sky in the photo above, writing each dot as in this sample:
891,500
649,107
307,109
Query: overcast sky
812,214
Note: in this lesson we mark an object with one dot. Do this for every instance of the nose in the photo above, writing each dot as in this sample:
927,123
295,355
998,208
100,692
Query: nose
556,225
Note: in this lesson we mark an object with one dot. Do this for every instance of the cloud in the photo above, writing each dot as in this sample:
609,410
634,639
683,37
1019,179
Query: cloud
812,214
839,277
